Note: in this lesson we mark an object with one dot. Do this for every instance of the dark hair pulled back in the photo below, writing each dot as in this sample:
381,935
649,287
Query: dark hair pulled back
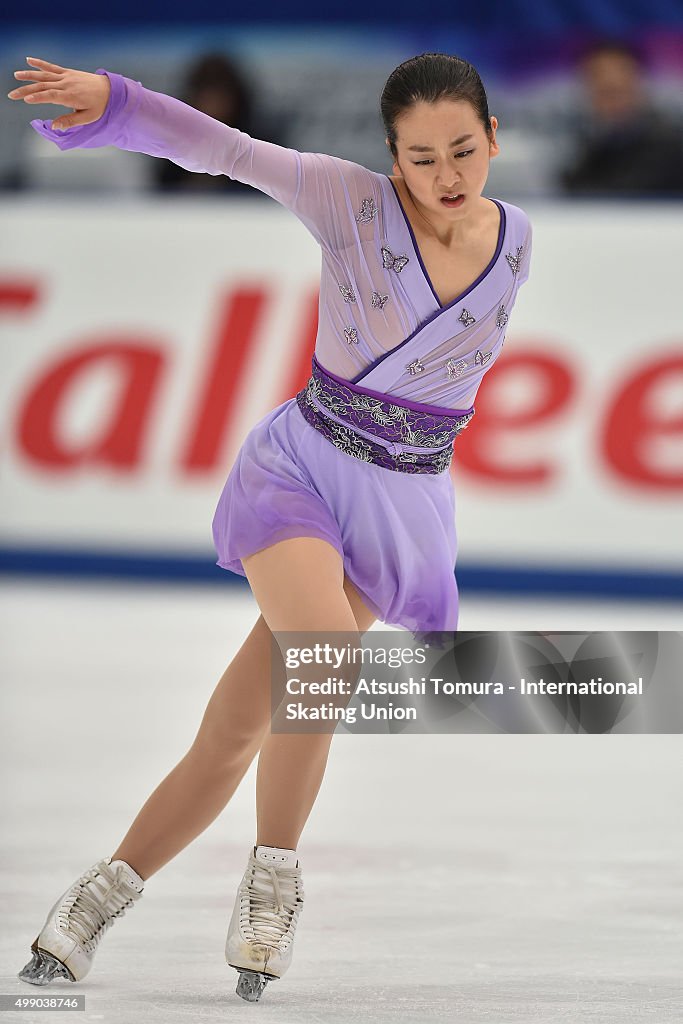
431,77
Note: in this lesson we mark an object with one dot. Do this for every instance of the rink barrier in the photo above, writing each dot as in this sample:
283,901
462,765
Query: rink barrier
595,582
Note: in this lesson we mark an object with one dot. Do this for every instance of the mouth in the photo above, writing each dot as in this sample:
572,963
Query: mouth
453,200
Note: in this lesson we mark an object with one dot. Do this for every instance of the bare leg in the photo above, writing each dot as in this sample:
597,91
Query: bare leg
290,773
234,726
199,787
299,585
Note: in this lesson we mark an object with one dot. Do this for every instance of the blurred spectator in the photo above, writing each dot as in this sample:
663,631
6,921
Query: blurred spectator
624,145
215,85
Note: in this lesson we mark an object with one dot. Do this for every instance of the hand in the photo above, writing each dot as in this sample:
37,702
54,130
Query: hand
86,93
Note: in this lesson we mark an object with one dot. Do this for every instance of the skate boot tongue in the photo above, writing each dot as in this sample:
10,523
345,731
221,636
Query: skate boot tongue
274,893
276,857
132,876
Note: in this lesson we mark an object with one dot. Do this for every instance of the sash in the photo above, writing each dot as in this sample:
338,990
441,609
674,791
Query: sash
396,434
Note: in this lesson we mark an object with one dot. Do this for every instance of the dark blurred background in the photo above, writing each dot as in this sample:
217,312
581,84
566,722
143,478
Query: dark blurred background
589,98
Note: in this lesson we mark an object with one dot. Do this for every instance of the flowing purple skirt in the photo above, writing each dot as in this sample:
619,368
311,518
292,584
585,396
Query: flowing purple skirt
395,532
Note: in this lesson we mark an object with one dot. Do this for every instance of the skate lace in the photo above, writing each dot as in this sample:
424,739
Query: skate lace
88,912
274,898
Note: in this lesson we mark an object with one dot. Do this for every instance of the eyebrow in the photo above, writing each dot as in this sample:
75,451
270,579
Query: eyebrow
428,149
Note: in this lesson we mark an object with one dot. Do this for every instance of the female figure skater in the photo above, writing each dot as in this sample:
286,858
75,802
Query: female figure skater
339,509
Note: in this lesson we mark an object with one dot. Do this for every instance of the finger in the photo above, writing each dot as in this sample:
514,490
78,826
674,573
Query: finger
44,65
42,95
71,121
38,76
25,92
19,93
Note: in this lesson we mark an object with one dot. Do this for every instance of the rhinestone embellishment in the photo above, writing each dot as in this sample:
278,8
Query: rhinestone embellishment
502,317
415,367
379,301
466,318
351,335
455,370
368,210
514,261
481,359
347,292
392,262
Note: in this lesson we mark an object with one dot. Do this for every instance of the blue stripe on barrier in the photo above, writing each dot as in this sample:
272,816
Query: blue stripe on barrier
591,581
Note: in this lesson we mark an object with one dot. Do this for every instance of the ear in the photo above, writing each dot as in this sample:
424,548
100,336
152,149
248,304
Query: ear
395,168
494,148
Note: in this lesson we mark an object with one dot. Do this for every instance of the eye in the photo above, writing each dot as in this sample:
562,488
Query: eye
423,163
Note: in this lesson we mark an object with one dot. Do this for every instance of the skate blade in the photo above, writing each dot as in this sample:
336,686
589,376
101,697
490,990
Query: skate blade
43,968
250,984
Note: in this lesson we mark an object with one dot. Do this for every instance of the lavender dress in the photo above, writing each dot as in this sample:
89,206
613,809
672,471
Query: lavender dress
381,329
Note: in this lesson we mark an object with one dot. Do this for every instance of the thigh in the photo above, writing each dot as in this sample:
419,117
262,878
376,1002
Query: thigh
364,617
300,584
306,599
239,710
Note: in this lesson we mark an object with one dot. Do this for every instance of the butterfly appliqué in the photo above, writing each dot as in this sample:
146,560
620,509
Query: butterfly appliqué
415,367
502,317
514,261
347,292
392,262
368,211
455,370
351,335
379,301
466,318
481,359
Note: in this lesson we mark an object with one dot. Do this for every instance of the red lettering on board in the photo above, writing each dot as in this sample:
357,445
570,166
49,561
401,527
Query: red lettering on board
18,295
119,441
636,421
239,313
548,386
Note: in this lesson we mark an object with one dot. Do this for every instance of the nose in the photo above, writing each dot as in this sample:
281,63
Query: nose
445,184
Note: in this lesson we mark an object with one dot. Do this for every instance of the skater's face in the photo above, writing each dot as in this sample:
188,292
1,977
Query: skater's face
438,168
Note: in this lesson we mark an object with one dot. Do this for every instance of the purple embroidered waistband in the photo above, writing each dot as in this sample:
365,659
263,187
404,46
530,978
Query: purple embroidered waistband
384,431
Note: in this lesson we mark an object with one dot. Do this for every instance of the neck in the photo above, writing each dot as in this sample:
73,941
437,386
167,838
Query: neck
447,232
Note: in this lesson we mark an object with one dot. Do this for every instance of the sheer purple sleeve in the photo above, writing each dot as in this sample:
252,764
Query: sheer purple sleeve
314,186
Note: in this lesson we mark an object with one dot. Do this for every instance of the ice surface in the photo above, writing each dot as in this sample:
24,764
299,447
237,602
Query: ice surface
485,878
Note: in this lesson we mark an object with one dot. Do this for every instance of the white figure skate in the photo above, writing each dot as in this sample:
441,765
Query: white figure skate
65,948
269,900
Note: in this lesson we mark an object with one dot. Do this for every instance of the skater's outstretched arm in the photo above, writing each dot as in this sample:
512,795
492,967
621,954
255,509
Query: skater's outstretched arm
111,110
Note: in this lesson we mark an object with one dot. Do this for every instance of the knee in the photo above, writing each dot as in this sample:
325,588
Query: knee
228,745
